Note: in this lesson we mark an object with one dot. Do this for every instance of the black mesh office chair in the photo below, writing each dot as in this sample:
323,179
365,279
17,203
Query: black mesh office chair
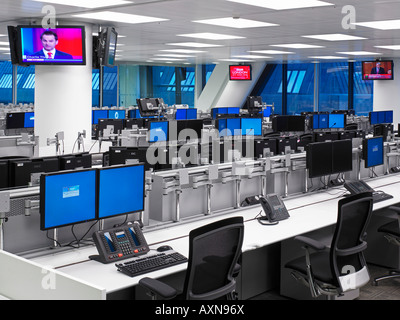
392,234
214,251
342,267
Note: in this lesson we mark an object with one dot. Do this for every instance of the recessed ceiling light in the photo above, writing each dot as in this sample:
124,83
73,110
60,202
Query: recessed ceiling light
360,53
183,51
210,36
297,46
194,44
167,59
118,17
238,23
4,43
327,57
250,56
87,3
4,49
381,25
271,52
236,60
334,37
284,4
393,47
172,55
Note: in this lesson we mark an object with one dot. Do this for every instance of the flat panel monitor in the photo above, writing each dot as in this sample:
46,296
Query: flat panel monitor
342,156
116,114
251,126
288,123
377,70
29,120
267,112
15,120
195,132
240,73
110,37
319,159
379,117
67,198
117,124
337,121
233,110
128,197
99,114
323,121
192,114
158,131
233,126
181,114
64,45
222,127
373,152
147,106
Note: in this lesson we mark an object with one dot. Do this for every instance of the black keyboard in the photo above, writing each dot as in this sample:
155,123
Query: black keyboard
143,265
380,196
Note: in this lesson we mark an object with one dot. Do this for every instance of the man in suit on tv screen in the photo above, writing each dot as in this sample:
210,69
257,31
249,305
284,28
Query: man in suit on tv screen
378,69
50,41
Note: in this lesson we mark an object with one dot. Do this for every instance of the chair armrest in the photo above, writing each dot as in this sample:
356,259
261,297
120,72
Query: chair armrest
316,245
395,209
159,288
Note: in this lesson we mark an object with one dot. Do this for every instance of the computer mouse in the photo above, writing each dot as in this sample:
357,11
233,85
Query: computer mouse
164,248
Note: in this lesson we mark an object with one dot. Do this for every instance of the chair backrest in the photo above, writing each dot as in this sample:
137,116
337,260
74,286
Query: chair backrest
214,250
346,256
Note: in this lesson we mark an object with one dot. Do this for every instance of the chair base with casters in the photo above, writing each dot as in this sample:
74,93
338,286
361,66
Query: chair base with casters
392,235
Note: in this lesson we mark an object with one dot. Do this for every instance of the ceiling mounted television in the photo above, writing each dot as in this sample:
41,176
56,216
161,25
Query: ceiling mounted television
241,73
108,42
64,45
377,70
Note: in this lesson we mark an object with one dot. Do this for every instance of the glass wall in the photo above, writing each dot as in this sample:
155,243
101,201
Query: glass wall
363,92
110,86
300,88
272,92
26,84
6,82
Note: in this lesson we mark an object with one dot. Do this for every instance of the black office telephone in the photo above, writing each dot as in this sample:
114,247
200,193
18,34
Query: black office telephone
119,243
357,186
274,209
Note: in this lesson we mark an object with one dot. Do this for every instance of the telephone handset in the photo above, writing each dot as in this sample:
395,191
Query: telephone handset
274,209
119,243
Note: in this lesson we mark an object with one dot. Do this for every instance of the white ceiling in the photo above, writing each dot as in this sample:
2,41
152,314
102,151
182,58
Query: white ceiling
144,41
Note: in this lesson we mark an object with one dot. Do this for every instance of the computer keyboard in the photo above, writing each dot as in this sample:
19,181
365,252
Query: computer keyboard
380,196
143,265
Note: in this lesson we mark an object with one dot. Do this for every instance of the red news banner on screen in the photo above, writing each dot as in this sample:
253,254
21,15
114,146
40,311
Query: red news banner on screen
240,72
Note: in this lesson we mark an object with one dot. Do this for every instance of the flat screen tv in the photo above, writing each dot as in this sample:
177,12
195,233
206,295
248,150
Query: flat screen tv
109,39
64,45
377,70
242,73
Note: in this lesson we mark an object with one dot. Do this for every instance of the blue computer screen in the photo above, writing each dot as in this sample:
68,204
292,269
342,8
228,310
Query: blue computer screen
192,114
121,190
233,110
267,112
233,126
251,126
374,152
381,117
181,114
99,114
158,131
388,116
116,114
315,121
373,117
222,126
69,198
29,121
323,121
336,121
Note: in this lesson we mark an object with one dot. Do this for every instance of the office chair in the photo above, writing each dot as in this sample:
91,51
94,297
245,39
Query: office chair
342,267
214,251
392,234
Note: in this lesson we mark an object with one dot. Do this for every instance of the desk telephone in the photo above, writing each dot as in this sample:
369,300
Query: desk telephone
119,243
274,209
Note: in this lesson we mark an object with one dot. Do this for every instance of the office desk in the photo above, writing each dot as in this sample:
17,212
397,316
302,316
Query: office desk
308,212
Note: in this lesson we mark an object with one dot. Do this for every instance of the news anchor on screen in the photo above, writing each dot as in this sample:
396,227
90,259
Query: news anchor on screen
378,69
49,41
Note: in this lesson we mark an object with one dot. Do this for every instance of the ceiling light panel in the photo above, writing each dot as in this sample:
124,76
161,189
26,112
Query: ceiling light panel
380,25
297,46
393,47
210,36
284,4
360,53
238,23
327,57
91,4
119,17
271,52
194,44
334,37
183,51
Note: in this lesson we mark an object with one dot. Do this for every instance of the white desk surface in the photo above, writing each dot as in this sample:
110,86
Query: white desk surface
308,212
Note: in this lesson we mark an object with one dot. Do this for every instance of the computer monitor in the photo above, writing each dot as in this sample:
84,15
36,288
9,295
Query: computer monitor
75,161
158,131
67,198
323,121
117,124
288,123
373,152
99,114
116,114
128,197
191,114
319,159
147,106
379,117
15,120
342,156
337,121
181,114
253,104
267,112
222,127
29,120
233,126
251,126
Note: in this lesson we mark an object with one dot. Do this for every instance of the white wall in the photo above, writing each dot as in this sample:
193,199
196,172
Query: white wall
63,100
387,94
220,92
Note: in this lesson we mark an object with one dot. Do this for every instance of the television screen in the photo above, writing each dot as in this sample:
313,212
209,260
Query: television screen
111,37
128,197
240,72
373,152
61,46
67,198
377,70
